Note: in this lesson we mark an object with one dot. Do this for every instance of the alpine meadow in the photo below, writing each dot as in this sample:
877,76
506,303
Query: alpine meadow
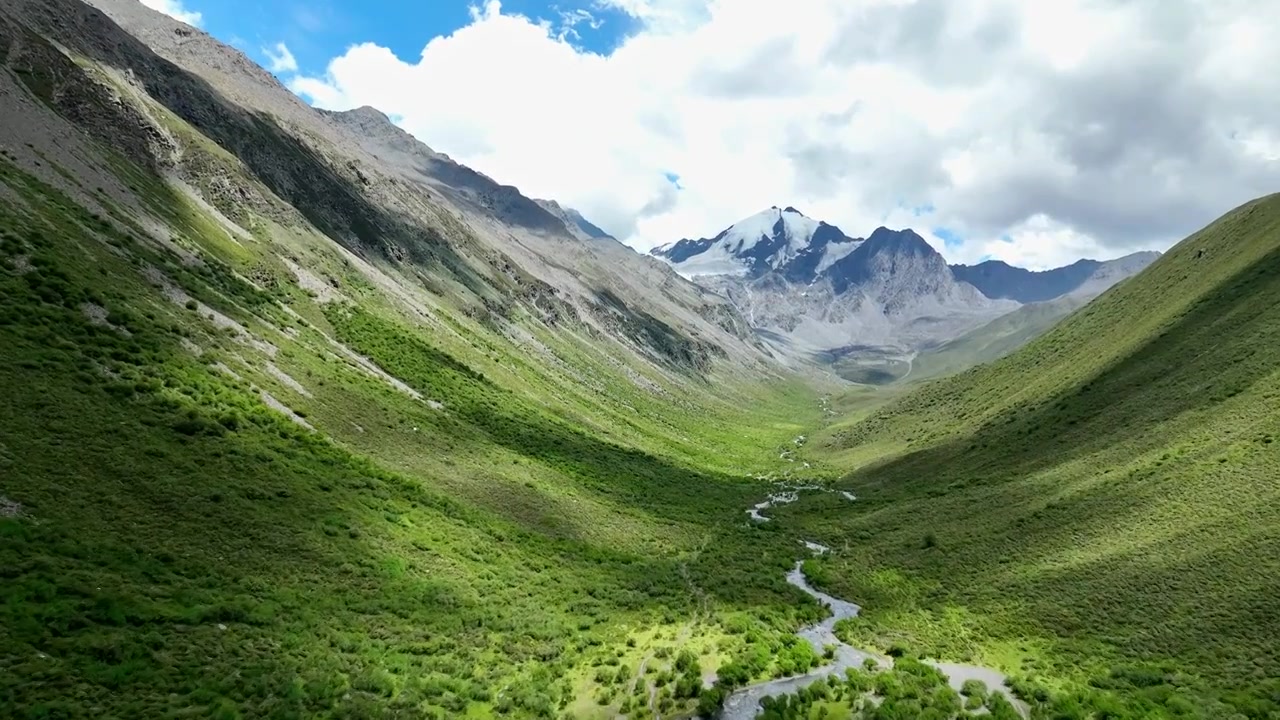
302,418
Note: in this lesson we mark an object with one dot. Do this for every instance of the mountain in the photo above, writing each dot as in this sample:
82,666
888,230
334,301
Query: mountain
813,292
997,279
303,418
398,151
993,340
1098,511
869,307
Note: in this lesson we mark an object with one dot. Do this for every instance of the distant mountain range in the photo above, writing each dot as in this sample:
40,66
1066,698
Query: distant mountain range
997,279
812,290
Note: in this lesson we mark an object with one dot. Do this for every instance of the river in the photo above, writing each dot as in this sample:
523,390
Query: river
744,703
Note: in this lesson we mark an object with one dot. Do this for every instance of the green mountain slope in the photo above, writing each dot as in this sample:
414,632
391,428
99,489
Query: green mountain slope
1099,511
279,442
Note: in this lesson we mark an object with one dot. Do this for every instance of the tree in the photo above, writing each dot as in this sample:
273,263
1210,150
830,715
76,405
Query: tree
711,701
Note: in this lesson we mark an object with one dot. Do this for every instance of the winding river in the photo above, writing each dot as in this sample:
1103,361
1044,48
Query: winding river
744,703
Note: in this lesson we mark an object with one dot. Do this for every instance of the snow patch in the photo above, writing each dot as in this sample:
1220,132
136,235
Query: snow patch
724,257
747,233
715,260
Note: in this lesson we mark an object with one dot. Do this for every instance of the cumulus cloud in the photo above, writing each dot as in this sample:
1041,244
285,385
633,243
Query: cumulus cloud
175,10
1037,132
279,59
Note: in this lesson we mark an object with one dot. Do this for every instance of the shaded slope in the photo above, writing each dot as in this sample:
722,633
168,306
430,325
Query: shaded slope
1100,505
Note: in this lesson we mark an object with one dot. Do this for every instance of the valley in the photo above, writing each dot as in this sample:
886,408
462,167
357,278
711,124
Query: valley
857,675
300,417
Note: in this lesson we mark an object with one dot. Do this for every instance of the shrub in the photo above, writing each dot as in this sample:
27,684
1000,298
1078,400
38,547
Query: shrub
974,688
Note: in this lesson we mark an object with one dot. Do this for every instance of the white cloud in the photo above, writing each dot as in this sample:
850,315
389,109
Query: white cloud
571,19
1040,243
175,10
279,59
1072,127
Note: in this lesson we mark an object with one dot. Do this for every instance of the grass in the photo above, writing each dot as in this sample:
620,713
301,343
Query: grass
183,549
1096,513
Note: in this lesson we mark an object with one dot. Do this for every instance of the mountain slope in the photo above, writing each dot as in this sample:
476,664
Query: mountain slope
578,226
289,431
1098,511
995,339
361,181
898,268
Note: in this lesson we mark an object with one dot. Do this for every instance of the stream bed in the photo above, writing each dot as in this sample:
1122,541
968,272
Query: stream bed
744,703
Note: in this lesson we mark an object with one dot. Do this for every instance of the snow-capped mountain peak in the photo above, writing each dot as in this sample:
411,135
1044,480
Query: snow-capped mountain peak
768,240
769,227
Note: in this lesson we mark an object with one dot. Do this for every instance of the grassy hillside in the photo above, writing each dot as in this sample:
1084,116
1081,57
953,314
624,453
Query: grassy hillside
229,490
1098,512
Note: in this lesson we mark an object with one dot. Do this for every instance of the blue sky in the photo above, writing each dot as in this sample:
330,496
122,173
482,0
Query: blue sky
319,30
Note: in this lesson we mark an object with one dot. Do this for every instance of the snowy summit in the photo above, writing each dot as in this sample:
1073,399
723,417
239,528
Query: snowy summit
769,240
